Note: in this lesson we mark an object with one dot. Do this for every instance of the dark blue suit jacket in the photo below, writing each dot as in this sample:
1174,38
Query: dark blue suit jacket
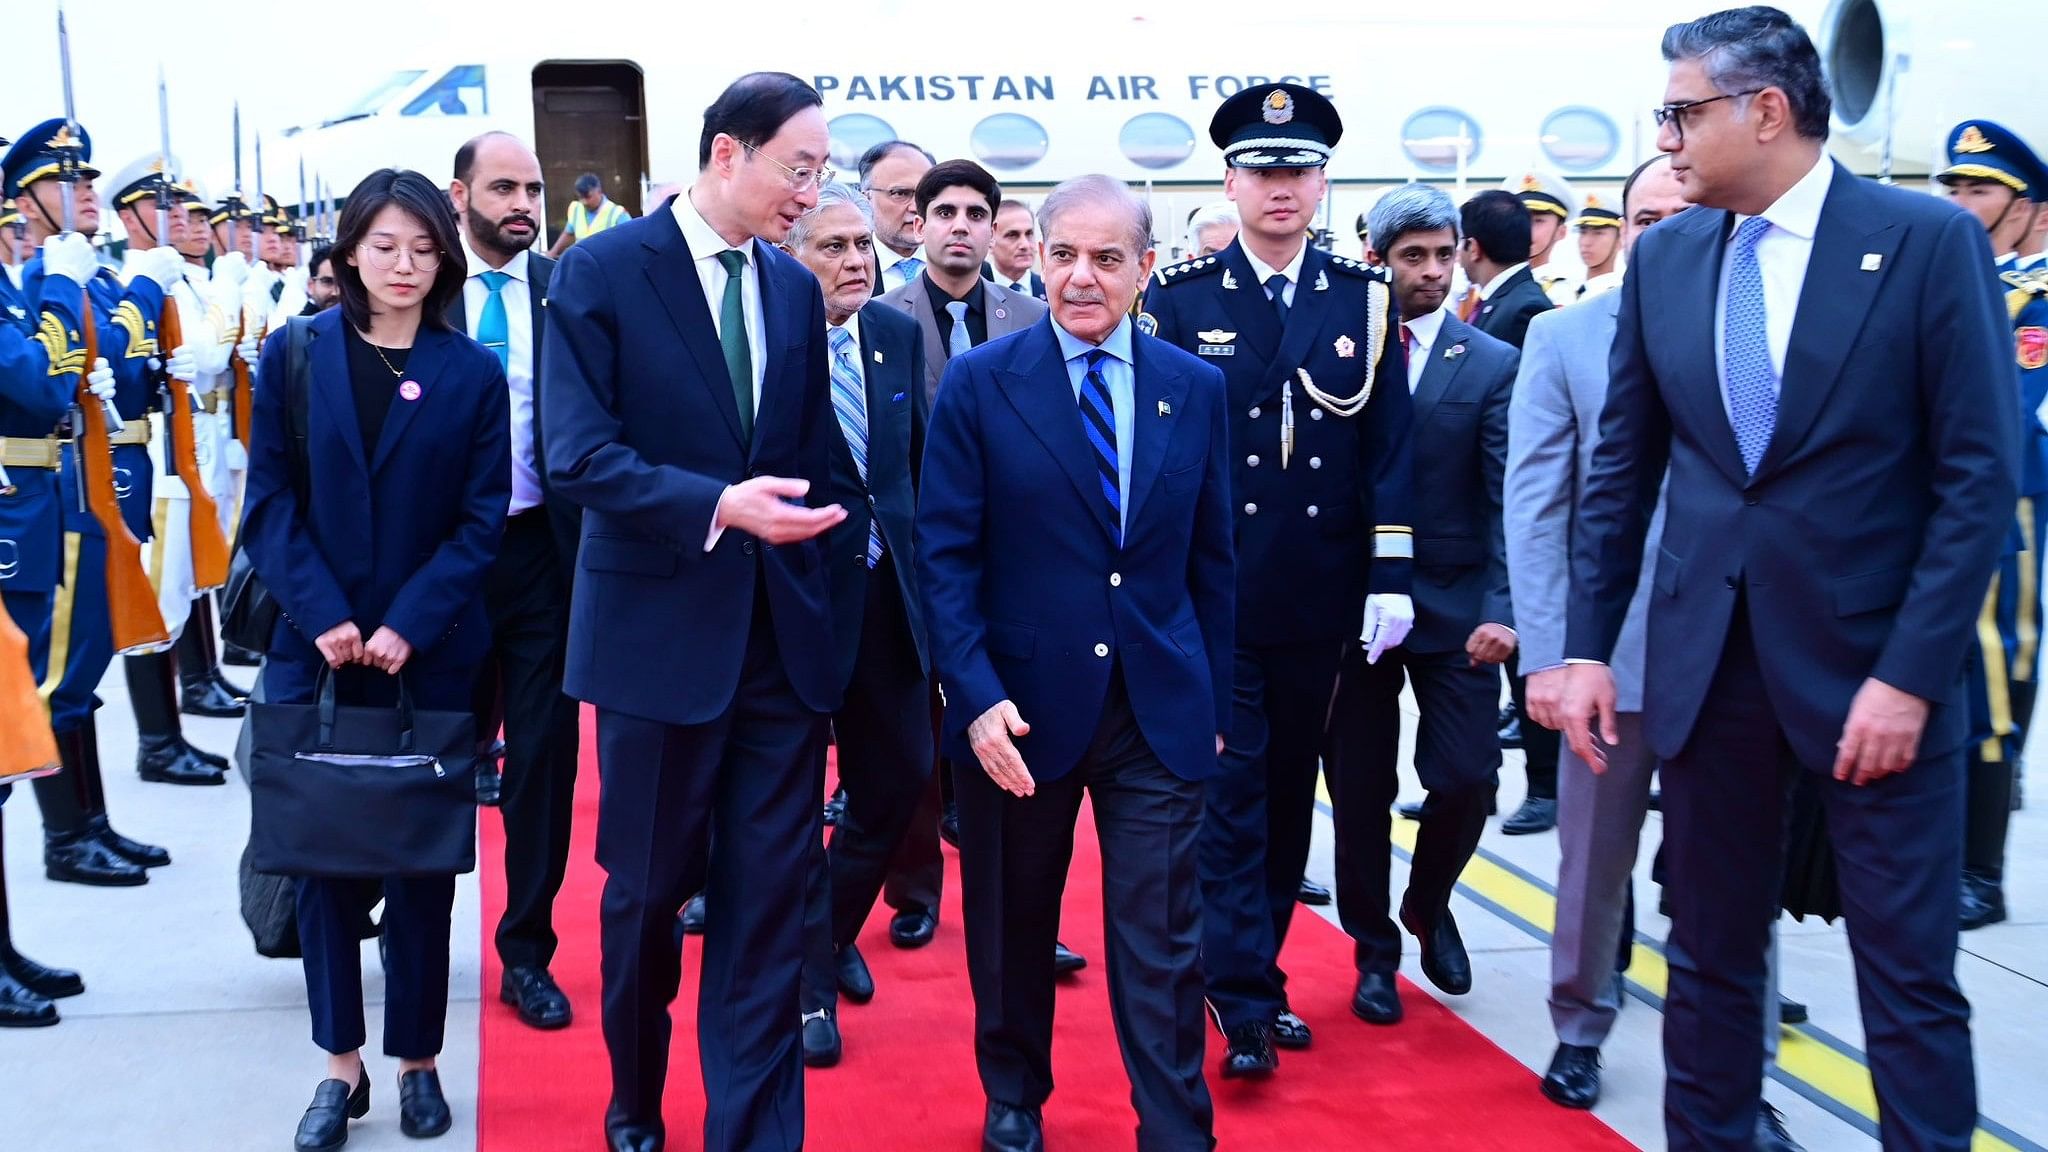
33,400
1864,543
1021,572
644,435
1461,460
892,364
395,534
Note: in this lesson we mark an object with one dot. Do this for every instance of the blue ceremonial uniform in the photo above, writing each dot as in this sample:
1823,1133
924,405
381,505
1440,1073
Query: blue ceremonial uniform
1318,526
2020,578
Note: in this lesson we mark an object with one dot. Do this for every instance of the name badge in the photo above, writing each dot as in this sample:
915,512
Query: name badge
1216,349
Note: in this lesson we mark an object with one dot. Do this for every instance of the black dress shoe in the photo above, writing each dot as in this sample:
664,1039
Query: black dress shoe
1249,1054
1574,1077
490,784
627,1138
1066,961
949,825
496,751
1414,811
41,979
240,657
1535,815
324,1127
1290,1031
913,929
1770,1132
835,807
167,760
1009,1128
133,851
856,983
208,697
1656,801
1791,1011
1444,959
422,1110
77,858
821,1039
22,1006
212,759
1312,893
693,916
1983,902
538,998
1508,727
1376,1001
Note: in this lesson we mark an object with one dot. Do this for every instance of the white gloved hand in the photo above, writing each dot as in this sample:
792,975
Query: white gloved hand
250,349
70,256
182,365
294,281
164,266
237,457
1388,618
100,381
231,269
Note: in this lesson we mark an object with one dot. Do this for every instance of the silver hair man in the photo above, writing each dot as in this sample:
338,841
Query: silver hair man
830,196
1410,208
1098,190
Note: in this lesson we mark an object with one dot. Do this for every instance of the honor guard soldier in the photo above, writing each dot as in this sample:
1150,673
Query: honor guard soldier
1599,247
1309,345
78,844
13,239
1550,203
1994,175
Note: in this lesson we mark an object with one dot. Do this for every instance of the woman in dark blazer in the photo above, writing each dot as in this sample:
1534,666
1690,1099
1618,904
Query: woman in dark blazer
379,567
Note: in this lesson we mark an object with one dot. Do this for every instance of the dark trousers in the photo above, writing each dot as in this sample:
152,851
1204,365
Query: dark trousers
884,733
527,596
1013,870
416,928
1539,744
916,877
1898,848
755,774
1256,826
1456,755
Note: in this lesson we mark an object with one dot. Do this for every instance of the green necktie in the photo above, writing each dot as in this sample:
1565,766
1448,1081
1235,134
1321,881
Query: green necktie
732,336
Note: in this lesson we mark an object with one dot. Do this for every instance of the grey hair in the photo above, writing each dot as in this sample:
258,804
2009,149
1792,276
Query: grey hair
1410,208
1210,215
829,196
1098,190
1745,50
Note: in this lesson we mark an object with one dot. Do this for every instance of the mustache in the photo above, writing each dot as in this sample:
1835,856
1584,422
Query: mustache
1083,296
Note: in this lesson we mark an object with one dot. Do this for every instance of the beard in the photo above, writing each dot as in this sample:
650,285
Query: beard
485,232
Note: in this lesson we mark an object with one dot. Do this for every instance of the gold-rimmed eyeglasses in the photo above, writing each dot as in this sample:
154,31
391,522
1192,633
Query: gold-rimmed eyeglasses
800,179
384,257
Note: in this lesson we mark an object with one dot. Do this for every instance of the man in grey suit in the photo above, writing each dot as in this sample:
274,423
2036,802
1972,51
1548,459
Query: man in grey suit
1553,426
956,309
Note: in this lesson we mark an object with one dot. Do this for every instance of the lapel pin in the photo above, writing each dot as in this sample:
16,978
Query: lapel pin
1454,351
1229,281
1346,347
878,355
1322,281
1872,261
410,390
1001,314
1165,409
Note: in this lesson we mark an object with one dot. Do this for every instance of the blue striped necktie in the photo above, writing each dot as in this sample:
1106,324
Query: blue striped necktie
1098,418
1746,358
492,330
849,402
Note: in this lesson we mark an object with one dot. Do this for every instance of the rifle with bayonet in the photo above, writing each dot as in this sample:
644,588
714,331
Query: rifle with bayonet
209,545
240,405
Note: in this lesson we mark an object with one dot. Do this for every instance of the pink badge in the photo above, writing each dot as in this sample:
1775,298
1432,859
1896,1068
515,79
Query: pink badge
409,390
1002,314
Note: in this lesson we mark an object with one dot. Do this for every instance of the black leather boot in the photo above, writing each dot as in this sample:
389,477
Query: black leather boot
133,851
201,692
71,853
23,1007
1988,816
161,754
42,980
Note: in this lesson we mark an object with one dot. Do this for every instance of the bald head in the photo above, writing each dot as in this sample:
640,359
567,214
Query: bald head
497,195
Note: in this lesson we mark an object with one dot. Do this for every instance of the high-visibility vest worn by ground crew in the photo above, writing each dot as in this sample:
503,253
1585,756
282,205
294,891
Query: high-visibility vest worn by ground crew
585,223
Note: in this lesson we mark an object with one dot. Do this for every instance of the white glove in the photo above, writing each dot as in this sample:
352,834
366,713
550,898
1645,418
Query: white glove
164,266
295,281
237,457
71,256
1388,617
231,269
292,300
183,366
250,349
100,381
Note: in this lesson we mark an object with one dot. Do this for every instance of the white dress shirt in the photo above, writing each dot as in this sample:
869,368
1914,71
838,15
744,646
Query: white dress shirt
1781,256
894,274
705,245
1292,272
1493,285
1424,330
517,295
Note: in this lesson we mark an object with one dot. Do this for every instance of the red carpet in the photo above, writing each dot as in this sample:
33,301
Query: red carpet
908,1080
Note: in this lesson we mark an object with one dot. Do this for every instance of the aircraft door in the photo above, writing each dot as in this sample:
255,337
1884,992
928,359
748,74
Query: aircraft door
589,116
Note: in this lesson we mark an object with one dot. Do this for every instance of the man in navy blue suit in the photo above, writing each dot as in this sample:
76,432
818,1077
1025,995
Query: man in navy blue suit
689,414
1074,550
1822,365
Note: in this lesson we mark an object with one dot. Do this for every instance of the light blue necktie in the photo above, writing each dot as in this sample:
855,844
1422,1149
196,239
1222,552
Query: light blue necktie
910,266
849,402
491,329
1746,356
960,341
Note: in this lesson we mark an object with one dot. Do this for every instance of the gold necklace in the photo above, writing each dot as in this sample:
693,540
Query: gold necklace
395,372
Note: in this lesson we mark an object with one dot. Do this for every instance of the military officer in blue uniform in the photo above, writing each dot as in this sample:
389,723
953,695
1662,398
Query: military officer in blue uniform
1310,347
1995,176
78,844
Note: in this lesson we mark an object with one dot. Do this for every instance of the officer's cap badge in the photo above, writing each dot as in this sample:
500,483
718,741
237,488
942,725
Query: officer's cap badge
1973,140
1531,184
1279,107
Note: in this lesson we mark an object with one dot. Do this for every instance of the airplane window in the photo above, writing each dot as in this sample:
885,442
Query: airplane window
853,134
1007,140
1156,140
1580,139
459,93
1434,137
386,88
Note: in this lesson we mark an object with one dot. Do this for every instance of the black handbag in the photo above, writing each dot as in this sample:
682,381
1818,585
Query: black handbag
353,792
249,613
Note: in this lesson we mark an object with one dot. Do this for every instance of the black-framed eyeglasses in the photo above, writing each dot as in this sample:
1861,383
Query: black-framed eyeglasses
800,179
1674,114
